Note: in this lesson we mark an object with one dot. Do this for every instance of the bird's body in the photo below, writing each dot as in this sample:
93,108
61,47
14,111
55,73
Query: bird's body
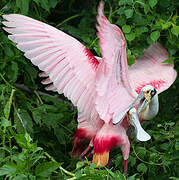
101,89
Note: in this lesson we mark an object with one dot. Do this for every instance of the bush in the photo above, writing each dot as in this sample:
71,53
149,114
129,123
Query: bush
37,126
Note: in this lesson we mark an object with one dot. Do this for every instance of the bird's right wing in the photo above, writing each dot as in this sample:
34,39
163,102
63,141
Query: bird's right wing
69,65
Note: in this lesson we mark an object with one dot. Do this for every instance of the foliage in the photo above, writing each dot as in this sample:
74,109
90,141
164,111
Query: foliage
36,127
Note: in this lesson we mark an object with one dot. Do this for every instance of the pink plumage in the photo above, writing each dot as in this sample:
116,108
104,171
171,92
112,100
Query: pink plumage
101,88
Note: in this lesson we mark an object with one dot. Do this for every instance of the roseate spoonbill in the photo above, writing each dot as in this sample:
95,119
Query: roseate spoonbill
103,89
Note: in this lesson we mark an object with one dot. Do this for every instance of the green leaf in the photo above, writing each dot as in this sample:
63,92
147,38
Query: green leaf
21,140
132,177
23,5
8,169
174,178
45,5
37,1
175,30
119,176
130,60
129,2
129,13
146,8
130,36
122,2
152,3
149,40
5,123
126,29
121,10
140,30
141,151
142,168
23,120
132,160
165,146
155,35
14,68
53,3
46,168
169,61
80,164
7,49
79,173
166,25
60,134
121,21
21,177
177,146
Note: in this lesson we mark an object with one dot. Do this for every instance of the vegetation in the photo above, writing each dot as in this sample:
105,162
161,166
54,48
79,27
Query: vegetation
36,127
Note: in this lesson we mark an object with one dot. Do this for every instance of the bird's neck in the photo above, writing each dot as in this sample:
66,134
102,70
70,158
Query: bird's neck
152,109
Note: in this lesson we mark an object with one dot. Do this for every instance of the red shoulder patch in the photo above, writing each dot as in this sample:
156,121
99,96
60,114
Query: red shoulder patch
156,84
91,59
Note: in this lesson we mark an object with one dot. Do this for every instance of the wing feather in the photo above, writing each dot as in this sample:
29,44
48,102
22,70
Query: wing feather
112,75
150,70
67,64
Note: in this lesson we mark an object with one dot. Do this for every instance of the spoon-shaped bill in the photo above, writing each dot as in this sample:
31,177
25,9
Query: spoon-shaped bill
142,107
141,135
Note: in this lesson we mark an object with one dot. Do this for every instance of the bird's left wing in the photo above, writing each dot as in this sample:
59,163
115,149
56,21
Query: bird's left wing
114,92
69,65
150,70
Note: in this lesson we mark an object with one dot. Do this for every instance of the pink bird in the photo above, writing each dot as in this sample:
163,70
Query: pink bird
105,90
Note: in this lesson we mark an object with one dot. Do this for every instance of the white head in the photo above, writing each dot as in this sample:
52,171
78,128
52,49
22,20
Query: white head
149,92
146,94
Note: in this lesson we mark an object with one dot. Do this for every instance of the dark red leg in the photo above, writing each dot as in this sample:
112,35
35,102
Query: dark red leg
85,151
125,167
89,155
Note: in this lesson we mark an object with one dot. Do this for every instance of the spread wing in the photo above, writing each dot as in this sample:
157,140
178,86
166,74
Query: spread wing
114,92
150,70
69,65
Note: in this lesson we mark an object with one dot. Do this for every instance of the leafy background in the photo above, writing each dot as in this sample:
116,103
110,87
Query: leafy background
36,127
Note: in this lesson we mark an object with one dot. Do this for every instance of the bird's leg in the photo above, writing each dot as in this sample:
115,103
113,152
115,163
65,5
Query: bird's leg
125,167
90,154
125,151
86,150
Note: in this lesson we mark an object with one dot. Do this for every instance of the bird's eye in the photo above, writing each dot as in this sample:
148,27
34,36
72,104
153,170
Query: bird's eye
148,91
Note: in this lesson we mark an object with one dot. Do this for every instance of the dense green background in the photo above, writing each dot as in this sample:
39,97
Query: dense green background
36,127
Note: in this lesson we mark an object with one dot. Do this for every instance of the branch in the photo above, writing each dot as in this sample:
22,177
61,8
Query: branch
25,88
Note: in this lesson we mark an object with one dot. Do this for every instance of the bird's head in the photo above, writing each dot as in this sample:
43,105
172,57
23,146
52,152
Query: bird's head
148,92
145,96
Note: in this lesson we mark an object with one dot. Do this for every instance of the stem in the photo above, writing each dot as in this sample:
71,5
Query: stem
25,88
65,128
10,102
36,93
143,160
73,178
66,172
10,148
68,19
93,42
60,167
7,114
18,115
5,80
